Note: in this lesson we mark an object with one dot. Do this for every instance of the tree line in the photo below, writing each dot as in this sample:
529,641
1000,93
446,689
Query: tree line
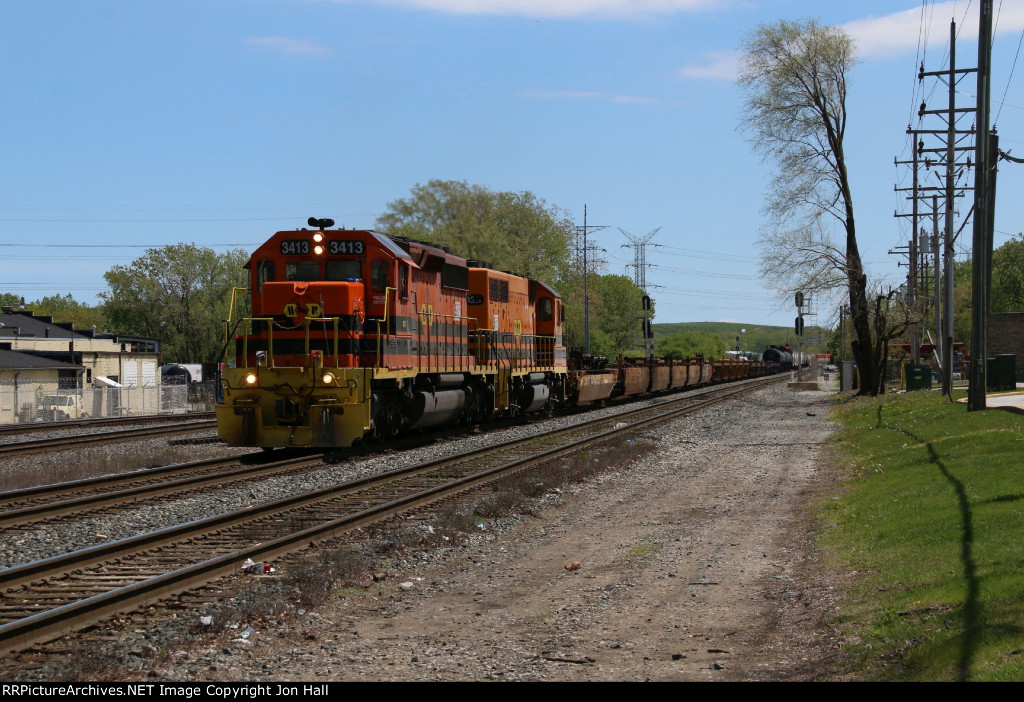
181,294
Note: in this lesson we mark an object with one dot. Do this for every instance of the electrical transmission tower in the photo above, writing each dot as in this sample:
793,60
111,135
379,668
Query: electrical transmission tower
639,256
640,278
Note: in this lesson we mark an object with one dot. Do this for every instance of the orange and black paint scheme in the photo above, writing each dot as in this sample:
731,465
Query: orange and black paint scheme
354,334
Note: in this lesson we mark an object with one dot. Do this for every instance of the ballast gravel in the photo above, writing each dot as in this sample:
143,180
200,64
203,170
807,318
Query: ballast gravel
693,563
23,546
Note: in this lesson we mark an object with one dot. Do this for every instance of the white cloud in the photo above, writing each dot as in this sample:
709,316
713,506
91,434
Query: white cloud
715,65
885,37
588,95
289,45
891,35
562,8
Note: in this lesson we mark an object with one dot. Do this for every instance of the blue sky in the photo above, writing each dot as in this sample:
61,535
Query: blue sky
129,125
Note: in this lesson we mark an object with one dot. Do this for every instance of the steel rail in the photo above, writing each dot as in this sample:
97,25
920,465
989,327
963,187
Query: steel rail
35,445
33,427
78,505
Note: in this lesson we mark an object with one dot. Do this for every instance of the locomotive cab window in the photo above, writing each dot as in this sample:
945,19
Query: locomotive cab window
403,281
546,309
379,275
345,270
264,272
302,270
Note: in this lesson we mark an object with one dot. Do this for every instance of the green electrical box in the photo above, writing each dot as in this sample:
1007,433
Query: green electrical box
917,377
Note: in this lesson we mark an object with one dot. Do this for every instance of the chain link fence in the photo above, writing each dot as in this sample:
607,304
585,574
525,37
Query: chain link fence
50,402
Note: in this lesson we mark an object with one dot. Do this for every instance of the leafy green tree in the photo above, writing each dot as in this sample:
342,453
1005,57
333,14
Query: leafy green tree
1008,276
517,232
64,308
179,294
614,315
690,344
1007,286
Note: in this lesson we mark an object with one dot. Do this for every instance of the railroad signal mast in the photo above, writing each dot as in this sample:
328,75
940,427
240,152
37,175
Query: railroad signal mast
798,327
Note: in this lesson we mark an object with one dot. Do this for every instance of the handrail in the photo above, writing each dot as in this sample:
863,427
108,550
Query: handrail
231,306
382,321
306,327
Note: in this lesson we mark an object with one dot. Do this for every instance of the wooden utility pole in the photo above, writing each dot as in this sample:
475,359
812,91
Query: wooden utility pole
982,235
947,155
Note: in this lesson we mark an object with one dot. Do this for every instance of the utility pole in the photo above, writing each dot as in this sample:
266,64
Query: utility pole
583,252
984,178
947,153
914,319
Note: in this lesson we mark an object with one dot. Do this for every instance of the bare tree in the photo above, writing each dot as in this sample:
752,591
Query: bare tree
795,77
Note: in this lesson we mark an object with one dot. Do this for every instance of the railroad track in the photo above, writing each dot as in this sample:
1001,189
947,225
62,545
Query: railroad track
42,600
19,508
16,448
23,428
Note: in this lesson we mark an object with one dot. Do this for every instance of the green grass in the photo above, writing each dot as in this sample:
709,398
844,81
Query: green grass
933,526
648,546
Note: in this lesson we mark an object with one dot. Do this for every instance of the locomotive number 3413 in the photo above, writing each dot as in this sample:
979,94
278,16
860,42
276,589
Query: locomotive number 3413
345,246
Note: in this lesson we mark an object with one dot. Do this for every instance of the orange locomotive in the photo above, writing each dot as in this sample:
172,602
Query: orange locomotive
355,334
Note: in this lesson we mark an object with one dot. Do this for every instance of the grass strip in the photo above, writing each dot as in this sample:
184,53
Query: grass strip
931,529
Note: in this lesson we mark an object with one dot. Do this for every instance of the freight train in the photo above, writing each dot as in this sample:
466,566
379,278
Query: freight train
356,335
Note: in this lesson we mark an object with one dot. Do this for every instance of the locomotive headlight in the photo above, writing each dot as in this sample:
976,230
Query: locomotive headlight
327,378
318,250
251,379
318,237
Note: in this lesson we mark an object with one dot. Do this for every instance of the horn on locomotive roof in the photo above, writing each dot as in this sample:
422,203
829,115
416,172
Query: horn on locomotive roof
320,223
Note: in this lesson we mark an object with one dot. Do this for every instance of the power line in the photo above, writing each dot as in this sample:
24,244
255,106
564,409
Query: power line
113,246
145,221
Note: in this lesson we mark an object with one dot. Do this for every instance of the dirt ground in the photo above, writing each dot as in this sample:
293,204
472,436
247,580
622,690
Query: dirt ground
695,563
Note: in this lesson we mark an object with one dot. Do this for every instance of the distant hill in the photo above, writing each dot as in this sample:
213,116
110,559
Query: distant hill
757,337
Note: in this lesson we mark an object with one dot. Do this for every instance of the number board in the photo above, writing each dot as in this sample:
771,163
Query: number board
294,247
346,247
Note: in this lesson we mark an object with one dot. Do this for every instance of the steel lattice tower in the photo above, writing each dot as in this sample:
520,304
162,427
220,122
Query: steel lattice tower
639,256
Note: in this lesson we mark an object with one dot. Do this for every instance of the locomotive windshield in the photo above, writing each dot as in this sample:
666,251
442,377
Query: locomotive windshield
302,270
345,270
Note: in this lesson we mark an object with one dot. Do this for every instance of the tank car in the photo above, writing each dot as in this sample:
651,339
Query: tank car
780,357
356,334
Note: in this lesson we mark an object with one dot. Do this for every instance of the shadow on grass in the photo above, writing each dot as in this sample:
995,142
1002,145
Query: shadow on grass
972,603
